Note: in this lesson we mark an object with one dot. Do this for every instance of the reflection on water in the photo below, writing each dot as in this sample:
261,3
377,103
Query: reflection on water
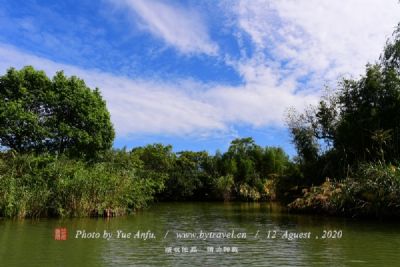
31,242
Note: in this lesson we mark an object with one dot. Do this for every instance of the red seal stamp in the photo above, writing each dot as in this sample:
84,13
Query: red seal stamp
60,234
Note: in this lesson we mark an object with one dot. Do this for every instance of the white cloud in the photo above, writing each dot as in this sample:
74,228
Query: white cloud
259,104
181,28
321,39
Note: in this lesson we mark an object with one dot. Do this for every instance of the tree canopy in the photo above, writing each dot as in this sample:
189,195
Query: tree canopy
59,115
360,122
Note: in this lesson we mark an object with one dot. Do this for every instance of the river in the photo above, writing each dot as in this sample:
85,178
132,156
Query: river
201,234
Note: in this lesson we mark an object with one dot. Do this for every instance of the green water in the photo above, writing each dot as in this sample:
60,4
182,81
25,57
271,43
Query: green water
362,243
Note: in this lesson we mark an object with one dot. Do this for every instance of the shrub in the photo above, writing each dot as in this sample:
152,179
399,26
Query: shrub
372,192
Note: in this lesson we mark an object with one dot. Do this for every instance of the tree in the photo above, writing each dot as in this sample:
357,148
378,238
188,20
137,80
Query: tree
275,161
303,136
157,161
360,122
58,115
390,58
241,161
189,177
156,157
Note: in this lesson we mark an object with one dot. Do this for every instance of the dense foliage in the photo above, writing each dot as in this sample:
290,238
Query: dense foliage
58,115
120,181
240,173
353,136
373,191
47,185
360,122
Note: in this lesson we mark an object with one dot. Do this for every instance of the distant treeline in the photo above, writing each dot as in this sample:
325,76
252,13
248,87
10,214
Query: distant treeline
120,181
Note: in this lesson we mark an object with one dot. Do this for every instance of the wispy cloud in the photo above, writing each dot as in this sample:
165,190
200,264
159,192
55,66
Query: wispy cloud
321,40
181,28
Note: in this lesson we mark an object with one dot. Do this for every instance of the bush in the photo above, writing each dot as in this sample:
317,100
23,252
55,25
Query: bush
248,193
372,192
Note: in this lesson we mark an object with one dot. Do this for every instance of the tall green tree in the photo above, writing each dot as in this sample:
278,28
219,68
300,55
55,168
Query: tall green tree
59,115
359,123
190,176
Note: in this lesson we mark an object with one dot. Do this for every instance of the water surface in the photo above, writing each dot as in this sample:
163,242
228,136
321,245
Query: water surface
362,243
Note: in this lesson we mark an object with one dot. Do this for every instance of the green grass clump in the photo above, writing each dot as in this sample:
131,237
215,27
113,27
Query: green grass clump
47,185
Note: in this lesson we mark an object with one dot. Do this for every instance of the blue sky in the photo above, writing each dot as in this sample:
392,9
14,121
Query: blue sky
197,74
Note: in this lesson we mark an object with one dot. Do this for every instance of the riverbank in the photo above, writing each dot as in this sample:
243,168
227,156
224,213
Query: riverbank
120,184
373,192
49,186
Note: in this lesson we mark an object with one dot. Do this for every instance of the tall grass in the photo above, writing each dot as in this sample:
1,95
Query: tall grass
44,185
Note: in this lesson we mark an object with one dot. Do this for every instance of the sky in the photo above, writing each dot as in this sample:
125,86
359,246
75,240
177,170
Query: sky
197,74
